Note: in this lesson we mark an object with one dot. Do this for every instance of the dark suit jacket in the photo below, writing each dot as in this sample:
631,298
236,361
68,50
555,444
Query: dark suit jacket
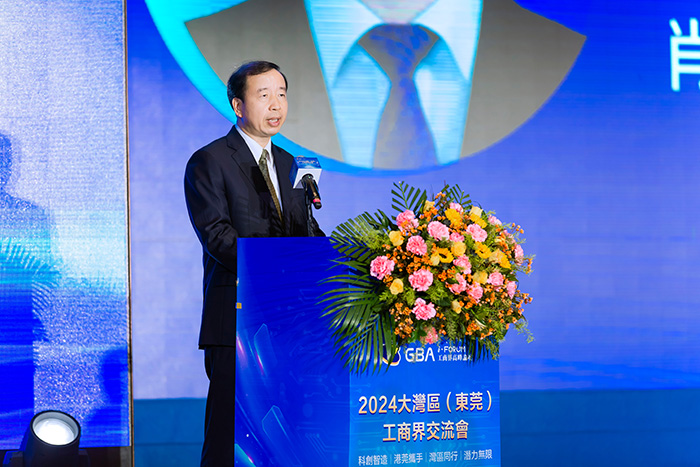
227,198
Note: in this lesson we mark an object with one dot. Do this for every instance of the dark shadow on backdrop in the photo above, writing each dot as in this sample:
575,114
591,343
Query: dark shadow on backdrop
26,281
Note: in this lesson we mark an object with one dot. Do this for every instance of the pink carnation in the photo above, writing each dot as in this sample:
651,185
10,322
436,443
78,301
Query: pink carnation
457,207
380,267
494,220
477,233
421,280
438,230
416,245
423,310
518,254
495,279
455,237
476,291
460,286
406,221
511,287
431,337
463,262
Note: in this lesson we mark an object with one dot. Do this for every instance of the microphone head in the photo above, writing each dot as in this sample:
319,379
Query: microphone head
303,166
309,183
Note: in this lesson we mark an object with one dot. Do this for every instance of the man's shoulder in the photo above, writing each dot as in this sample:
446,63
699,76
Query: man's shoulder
220,147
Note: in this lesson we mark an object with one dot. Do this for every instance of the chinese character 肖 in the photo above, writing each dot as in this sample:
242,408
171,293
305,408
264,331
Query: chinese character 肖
681,56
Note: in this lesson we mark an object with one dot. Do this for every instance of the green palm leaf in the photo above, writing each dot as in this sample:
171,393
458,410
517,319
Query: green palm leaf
406,197
360,306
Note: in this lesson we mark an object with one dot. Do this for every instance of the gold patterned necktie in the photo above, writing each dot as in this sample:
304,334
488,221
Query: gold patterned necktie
266,175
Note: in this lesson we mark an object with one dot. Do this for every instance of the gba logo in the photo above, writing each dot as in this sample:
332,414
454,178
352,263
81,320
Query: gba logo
394,86
414,355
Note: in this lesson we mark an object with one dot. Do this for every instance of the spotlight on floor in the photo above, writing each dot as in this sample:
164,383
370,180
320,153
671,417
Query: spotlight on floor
52,440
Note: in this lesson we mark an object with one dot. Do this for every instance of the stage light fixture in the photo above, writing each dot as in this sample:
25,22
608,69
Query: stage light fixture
52,439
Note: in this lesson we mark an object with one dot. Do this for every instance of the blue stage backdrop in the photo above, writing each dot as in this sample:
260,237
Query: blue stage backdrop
577,120
64,327
602,175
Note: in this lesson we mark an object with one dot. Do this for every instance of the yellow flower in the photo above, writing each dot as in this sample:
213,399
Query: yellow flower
454,217
428,206
494,257
396,287
482,250
478,220
475,216
503,261
480,277
459,248
395,237
444,255
435,259
456,307
499,257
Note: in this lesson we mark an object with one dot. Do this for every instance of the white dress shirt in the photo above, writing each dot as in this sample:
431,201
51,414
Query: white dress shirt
257,150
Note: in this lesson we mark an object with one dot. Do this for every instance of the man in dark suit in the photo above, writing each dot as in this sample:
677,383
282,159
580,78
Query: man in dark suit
238,186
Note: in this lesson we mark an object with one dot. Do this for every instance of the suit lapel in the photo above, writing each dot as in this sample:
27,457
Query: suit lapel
283,166
242,156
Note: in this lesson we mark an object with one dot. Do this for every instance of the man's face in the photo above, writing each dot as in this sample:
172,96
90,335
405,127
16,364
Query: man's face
263,109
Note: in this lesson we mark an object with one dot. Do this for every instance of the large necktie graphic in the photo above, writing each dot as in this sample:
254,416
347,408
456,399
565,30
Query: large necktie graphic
266,175
403,139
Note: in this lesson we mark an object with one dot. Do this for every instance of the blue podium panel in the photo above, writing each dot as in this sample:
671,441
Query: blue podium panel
291,393
432,407
297,406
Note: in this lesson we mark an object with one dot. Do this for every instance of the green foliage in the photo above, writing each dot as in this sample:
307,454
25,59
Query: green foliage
438,294
360,308
406,197
456,195
451,328
362,327
409,295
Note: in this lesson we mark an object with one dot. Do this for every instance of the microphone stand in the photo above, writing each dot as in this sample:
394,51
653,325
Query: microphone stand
311,197
309,224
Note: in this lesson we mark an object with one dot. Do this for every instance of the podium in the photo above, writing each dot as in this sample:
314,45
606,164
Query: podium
296,405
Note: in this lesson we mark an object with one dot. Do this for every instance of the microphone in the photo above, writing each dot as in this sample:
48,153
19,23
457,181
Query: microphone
311,190
305,173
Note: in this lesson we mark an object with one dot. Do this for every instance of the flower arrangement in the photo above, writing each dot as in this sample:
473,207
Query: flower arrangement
441,269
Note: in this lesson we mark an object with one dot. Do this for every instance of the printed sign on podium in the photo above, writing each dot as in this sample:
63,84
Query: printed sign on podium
296,405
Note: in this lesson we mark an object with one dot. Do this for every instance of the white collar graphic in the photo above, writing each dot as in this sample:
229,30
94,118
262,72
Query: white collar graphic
457,22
